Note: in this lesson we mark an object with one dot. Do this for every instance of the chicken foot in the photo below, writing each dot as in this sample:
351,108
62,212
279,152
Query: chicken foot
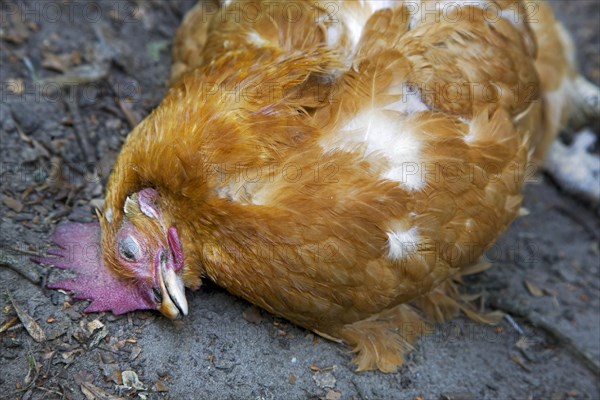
574,167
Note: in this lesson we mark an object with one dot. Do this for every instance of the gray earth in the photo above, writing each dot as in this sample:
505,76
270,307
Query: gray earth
115,55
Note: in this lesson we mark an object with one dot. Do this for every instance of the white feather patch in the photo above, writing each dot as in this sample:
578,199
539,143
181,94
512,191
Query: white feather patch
401,244
355,27
381,133
355,21
377,5
256,39
108,214
409,103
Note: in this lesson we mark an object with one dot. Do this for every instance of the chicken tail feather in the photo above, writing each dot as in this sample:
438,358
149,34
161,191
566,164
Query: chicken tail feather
381,341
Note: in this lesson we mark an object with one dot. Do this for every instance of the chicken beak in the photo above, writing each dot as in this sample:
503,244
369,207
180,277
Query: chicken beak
174,304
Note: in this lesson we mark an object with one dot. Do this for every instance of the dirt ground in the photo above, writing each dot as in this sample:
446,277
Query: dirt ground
116,56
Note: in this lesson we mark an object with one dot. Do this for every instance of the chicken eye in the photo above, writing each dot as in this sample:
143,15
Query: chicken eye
129,249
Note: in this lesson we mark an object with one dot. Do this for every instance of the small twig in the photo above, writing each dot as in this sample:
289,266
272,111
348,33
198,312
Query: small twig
13,259
29,140
48,365
539,321
57,215
109,350
126,111
514,324
30,68
16,327
130,116
567,212
78,125
43,389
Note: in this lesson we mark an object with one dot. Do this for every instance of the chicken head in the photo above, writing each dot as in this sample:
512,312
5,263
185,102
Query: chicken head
139,267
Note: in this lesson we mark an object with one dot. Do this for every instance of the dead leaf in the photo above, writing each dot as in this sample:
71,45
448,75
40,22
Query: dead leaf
324,379
333,395
68,356
58,329
97,332
93,392
82,376
89,395
517,360
252,315
135,352
48,355
314,367
108,358
130,379
13,204
160,387
92,326
117,376
56,62
292,378
97,337
533,289
28,322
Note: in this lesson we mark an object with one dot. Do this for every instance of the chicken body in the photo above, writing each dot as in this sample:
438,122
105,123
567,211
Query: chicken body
332,165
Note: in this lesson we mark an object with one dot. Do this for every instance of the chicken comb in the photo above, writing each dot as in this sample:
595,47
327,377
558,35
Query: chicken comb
78,249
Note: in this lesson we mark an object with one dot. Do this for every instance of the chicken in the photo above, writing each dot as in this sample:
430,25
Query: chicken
339,164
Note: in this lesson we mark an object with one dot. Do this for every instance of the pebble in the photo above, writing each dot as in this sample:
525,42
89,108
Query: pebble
23,114
8,123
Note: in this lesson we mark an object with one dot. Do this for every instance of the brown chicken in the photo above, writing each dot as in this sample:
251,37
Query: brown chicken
340,164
